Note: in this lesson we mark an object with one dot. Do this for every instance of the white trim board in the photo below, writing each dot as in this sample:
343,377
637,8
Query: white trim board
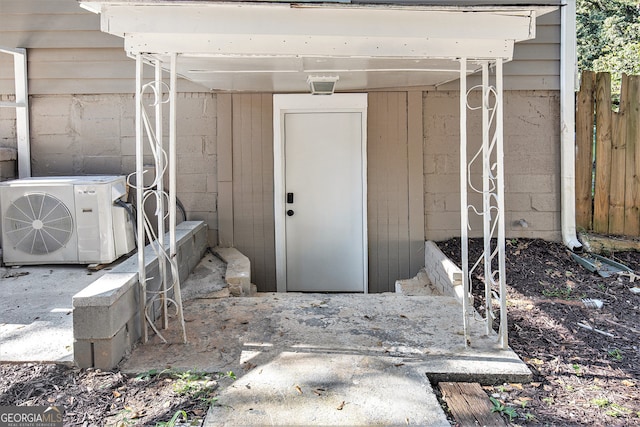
306,103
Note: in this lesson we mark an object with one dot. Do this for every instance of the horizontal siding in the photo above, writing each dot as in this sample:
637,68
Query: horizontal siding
535,64
66,51
79,71
17,7
49,24
40,22
54,39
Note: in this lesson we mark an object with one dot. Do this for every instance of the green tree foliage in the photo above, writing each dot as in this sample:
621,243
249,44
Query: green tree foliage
608,33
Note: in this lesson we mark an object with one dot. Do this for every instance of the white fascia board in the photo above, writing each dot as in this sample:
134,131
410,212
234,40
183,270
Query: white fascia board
319,46
332,21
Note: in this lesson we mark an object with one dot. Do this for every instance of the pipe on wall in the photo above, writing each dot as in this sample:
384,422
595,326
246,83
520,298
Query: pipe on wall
567,125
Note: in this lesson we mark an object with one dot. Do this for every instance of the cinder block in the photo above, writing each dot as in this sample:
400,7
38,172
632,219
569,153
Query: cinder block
545,202
106,146
530,184
108,353
191,183
238,274
83,353
531,163
442,183
96,165
47,125
192,145
191,107
8,170
50,105
197,126
8,154
518,201
103,321
537,221
195,164
442,272
127,126
42,145
442,221
55,164
201,202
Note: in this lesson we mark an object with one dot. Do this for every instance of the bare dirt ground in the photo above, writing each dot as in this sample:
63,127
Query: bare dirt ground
581,377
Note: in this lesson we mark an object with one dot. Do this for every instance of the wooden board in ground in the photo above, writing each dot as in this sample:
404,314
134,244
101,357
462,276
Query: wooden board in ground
470,405
610,244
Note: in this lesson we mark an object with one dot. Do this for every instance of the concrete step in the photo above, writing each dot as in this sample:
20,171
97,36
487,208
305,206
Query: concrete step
303,388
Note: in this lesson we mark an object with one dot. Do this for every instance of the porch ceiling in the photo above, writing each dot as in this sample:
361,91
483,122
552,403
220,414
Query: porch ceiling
274,47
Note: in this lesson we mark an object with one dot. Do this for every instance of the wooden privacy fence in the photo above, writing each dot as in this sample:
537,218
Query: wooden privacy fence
608,156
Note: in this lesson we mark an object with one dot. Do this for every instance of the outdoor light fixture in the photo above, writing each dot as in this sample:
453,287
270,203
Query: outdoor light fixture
322,85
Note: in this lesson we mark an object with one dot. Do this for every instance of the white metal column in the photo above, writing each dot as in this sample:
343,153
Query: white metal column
464,211
168,289
21,105
491,155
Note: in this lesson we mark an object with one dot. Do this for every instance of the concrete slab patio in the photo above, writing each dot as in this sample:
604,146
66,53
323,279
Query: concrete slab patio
36,324
312,359
330,359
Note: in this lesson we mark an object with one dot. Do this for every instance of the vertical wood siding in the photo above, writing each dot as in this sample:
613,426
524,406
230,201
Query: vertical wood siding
253,217
389,222
395,190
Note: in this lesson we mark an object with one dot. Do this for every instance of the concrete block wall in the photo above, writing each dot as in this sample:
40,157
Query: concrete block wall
442,272
8,163
106,317
95,134
532,164
8,140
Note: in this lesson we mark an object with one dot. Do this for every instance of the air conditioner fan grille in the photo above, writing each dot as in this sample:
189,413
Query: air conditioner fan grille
38,223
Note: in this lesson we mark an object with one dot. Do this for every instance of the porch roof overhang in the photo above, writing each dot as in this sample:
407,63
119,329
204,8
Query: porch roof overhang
275,46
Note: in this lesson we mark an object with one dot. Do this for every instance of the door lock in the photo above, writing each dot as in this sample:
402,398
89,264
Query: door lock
290,212
289,197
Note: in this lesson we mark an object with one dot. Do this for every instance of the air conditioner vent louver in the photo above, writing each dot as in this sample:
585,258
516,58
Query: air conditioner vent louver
38,223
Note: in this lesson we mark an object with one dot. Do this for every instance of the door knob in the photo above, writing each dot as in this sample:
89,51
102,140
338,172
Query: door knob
290,212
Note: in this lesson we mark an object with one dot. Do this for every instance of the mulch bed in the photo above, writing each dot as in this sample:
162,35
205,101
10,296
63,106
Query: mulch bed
581,377
92,397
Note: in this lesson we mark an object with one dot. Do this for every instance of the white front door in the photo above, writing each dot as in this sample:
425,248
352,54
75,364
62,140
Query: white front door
321,199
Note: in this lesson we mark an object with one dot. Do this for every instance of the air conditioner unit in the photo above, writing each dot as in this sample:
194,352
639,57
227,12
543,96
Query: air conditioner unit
65,220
